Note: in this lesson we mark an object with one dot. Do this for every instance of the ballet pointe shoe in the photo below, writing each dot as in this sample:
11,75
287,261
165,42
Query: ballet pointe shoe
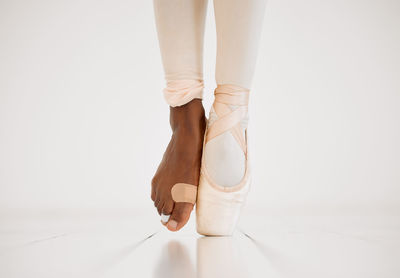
218,207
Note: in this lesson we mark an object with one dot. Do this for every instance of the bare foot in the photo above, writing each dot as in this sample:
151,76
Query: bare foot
180,163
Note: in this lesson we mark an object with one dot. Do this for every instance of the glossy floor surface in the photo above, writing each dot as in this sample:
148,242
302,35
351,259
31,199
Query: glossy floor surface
288,243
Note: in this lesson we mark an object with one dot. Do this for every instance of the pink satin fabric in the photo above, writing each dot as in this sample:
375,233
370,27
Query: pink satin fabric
180,92
232,94
229,118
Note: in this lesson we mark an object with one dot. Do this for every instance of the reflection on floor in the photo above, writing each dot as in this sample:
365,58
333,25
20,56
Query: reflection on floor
285,244
215,257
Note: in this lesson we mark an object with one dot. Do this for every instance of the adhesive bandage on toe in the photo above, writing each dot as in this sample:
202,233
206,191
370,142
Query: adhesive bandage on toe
180,92
181,192
184,192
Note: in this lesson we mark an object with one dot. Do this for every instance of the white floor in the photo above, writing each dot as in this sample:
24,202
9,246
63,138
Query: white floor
290,243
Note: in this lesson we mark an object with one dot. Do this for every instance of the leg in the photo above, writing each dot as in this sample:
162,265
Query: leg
225,178
239,25
180,28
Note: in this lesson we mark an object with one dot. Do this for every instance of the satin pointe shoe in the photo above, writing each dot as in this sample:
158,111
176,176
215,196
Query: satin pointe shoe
218,207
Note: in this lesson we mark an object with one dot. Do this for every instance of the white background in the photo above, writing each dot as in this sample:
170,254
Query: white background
83,123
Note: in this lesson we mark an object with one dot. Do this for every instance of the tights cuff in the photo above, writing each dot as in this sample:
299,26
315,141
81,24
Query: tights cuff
180,92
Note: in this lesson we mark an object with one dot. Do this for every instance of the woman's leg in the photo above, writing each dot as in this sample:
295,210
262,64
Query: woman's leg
239,25
180,28
225,176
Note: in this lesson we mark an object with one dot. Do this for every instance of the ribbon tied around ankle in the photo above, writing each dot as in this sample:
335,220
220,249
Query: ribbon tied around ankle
230,105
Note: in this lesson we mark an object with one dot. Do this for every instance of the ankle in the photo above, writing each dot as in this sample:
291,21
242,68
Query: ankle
188,118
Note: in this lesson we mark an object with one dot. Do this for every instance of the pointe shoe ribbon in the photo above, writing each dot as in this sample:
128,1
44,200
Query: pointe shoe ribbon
230,105
180,92
226,97
184,192
218,207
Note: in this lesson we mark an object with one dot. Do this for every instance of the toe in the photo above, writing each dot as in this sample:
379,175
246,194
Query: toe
168,207
180,216
153,194
153,189
159,207
157,201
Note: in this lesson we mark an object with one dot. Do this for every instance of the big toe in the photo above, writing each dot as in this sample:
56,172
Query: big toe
180,216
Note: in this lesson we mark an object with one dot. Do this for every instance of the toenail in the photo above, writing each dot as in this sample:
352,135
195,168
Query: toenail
172,224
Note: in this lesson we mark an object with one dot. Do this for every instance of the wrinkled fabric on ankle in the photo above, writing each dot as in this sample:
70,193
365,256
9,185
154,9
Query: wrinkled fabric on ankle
231,94
229,118
180,92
